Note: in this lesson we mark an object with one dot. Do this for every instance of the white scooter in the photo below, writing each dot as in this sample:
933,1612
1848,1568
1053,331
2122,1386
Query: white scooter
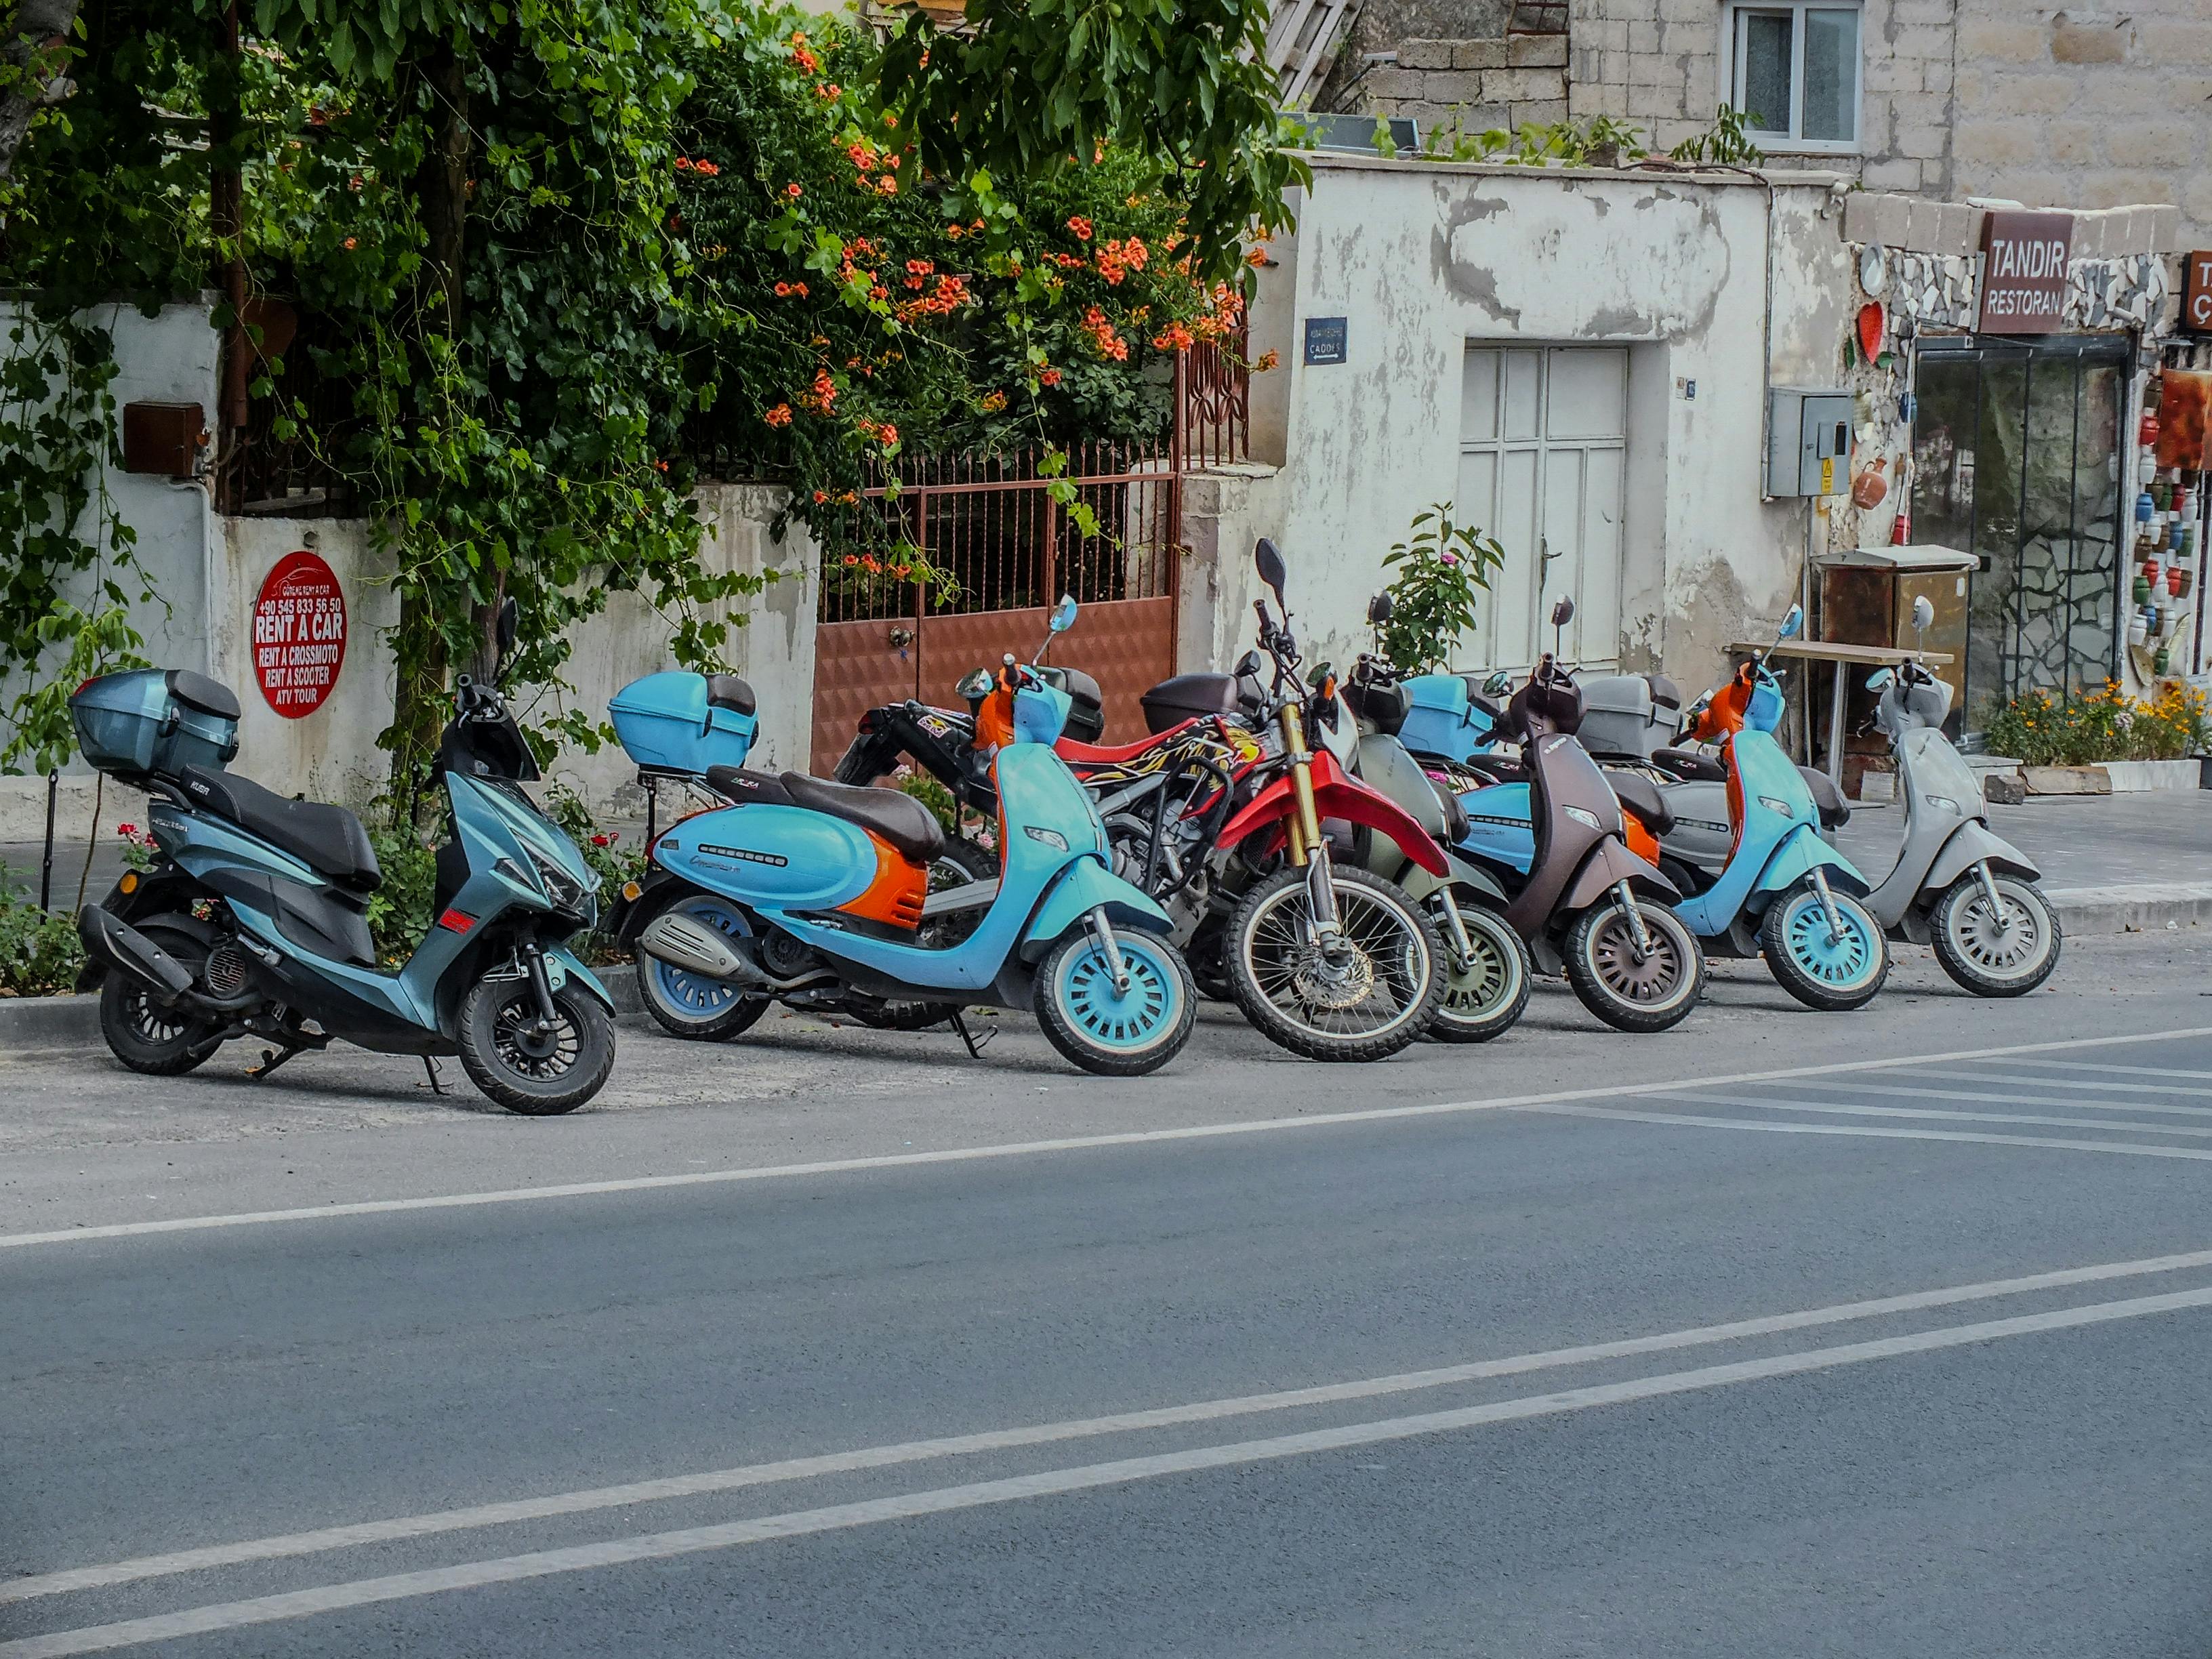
1957,883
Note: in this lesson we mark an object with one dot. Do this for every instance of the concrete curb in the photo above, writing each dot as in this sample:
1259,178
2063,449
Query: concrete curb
2143,907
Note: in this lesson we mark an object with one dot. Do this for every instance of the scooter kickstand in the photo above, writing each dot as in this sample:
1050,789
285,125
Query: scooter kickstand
270,1059
976,1044
430,1070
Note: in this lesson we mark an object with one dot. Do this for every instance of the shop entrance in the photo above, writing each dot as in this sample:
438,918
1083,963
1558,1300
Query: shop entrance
2016,459
1543,466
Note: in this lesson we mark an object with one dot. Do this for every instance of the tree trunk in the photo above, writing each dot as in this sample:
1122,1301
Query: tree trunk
33,27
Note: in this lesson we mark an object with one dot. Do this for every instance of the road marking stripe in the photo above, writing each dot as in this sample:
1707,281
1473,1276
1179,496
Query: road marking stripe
1033,1148
2014,1099
912,1451
2106,1084
691,1540
2050,1142
1843,1108
2130,1070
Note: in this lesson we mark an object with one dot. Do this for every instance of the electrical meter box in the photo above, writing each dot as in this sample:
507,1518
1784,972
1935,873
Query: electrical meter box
1809,442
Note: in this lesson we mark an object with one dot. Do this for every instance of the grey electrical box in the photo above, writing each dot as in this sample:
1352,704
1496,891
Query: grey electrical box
1809,441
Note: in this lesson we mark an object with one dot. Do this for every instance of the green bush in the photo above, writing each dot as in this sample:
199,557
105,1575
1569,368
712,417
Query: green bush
41,954
1441,568
2041,730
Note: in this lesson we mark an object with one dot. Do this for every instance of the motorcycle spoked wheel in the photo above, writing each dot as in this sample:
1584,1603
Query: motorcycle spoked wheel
148,1038
1369,1006
1487,998
692,1005
1654,995
1108,1031
535,1073
1833,976
1994,956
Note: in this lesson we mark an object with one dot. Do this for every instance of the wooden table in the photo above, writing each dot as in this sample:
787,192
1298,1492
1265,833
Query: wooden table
1844,658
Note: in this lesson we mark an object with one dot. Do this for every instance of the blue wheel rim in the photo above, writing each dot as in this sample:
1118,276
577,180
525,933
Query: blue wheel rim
693,996
1123,1020
1848,961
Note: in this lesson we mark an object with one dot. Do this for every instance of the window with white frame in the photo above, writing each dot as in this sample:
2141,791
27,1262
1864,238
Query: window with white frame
1794,71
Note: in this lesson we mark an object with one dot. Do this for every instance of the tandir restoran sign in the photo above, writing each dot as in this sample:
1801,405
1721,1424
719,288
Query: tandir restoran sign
298,634
2024,257
2196,293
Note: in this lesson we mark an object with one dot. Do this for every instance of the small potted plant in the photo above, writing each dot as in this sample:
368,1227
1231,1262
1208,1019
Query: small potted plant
1441,566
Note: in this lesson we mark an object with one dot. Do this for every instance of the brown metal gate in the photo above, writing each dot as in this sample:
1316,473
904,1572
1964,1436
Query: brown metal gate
1011,550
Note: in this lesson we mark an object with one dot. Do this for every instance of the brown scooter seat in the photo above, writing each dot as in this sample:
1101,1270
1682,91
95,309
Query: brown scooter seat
898,817
1689,765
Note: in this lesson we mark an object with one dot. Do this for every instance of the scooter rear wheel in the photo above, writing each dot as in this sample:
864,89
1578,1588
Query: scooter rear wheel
1834,977
1654,994
1103,1028
150,1039
691,1005
1991,956
538,1075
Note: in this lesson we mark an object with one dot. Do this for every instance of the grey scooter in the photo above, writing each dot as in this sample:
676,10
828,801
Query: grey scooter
1957,883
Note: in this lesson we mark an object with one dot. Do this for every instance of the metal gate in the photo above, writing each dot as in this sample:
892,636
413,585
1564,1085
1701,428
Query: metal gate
1011,550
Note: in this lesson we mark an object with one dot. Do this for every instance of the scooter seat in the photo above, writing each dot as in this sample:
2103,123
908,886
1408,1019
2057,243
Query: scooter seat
1689,765
328,839
728,691
1835,810
1641,796
898,817
742,787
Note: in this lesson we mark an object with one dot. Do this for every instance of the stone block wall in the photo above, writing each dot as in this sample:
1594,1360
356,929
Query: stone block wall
1505,81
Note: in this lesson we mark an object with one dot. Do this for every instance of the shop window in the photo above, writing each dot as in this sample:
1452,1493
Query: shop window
1794,71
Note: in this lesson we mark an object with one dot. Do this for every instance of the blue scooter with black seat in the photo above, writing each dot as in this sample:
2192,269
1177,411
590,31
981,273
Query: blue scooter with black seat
815,896
253,920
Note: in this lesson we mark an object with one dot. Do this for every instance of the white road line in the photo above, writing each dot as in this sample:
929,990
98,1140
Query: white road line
912,1451
691,1540
2014,1099
1033,1148
2129,1071
2049,1143
2107,1085
1852,1109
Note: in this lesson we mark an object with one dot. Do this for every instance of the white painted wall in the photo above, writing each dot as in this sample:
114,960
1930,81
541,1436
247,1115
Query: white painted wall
1422,259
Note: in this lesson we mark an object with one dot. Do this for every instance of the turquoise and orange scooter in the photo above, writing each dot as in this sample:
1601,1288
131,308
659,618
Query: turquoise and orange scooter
812,894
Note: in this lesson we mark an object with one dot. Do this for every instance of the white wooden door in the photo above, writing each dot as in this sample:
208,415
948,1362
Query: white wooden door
1542,467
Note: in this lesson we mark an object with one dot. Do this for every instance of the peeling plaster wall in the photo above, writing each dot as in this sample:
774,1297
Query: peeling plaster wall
1422,259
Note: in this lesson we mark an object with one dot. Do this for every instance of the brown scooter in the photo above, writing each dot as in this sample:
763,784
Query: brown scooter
1588,901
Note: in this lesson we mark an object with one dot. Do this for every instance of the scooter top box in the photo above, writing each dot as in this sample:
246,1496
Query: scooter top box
155,722
1631,713
682,723
1444,716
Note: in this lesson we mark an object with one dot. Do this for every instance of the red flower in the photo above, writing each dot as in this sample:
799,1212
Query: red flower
792,191
780,416
126,828
1081,226
820,496
1049,377
602,840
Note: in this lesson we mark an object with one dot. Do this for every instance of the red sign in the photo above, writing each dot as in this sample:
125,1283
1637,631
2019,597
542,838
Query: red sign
2024,258
298,634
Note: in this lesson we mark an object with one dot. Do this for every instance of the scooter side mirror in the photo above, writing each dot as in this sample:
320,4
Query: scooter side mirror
1498,685
1378,609
1563,613
1063,614
1247,666
1793,623
504,628
1880,679
1923,614
1269,563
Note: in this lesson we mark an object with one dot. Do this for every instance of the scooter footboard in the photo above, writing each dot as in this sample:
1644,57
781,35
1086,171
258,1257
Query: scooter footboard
1082,887
1801,852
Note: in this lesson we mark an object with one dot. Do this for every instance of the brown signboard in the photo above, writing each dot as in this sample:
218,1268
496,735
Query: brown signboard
2024,258
2196,293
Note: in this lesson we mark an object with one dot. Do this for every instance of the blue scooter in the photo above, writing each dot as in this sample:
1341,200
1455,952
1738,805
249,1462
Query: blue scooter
814,896
1782,892
253,920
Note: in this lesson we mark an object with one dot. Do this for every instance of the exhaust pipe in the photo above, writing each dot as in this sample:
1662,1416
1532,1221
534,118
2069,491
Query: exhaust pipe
110,939
681,942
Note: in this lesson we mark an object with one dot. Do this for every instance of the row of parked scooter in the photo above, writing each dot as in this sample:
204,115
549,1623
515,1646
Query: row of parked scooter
1355,862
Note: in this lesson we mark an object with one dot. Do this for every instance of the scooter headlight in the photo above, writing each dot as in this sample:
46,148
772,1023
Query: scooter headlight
563,889
1942,802
1774,805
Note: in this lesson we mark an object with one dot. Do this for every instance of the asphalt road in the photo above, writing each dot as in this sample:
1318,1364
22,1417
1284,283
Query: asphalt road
1787,1335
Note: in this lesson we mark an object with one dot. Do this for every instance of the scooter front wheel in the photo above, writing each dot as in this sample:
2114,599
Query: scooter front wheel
1485,999
1653,992
1834,973
536,1072
1995,954
1108,1029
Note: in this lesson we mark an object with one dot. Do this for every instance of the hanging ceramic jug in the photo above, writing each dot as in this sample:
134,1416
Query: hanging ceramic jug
1869,488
